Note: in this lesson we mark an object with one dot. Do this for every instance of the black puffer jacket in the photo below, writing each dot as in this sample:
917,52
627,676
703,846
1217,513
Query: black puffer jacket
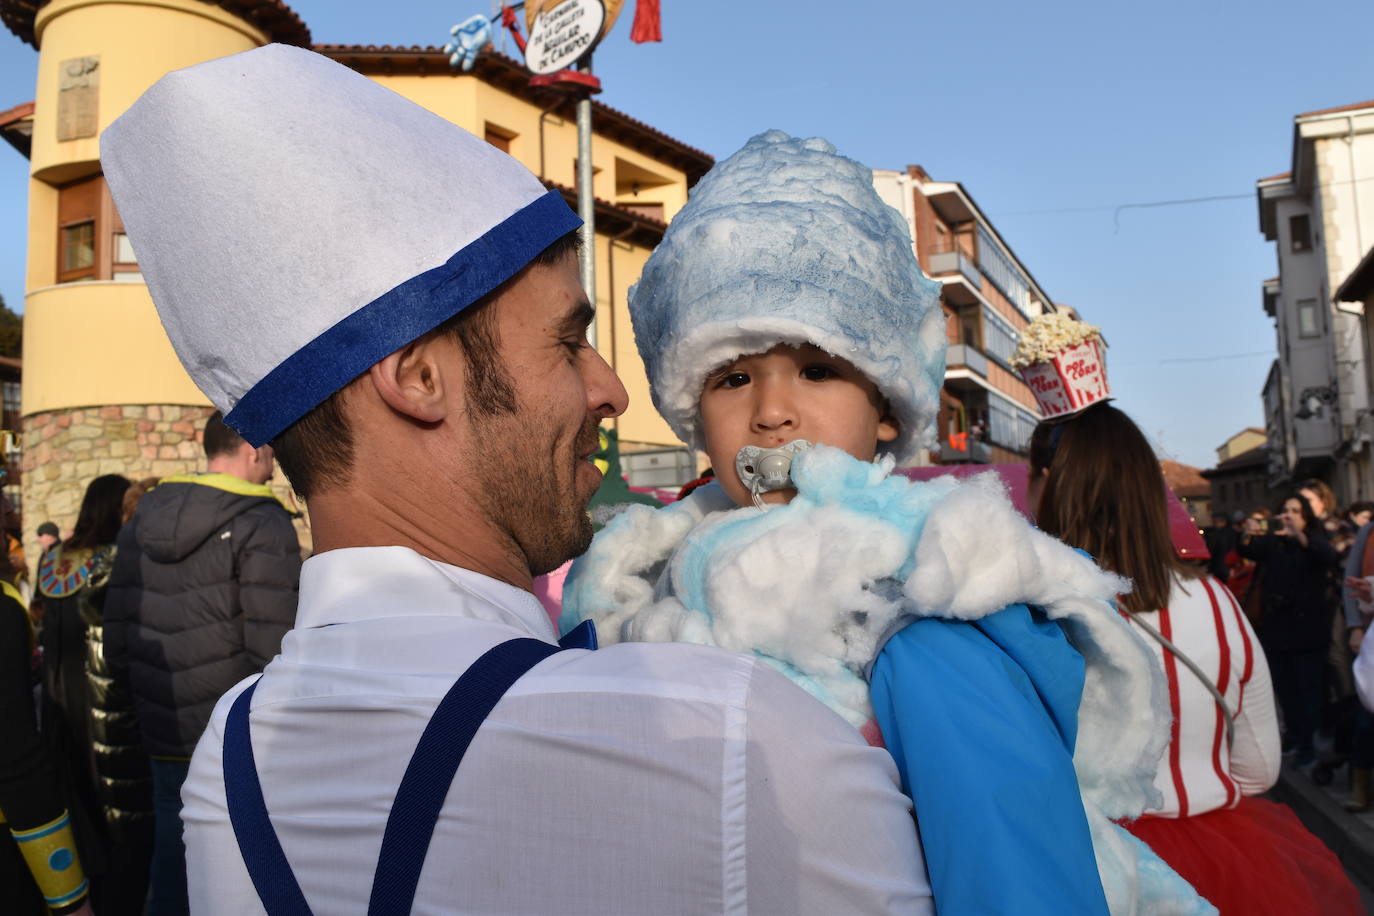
89,721
203,590
1297,608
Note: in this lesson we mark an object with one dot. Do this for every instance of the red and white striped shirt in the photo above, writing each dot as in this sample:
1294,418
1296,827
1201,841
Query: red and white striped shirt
1199,773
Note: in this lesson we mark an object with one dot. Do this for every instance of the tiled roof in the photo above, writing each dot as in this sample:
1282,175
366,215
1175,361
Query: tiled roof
1278,176
617,220
273,17
1255,457
1352,107
509,74
1184,479
17,113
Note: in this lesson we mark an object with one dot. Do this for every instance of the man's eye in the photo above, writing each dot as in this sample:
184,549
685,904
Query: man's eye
818,373
575,344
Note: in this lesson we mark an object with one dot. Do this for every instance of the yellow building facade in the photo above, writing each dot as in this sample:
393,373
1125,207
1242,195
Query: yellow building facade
103,390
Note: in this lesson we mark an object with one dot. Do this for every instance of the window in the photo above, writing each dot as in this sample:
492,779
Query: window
1004,274
1308,325
1010,427
78,222
1300,232
78,251
124,250
125,264
968,331
999,337
498,137
12,392
91,244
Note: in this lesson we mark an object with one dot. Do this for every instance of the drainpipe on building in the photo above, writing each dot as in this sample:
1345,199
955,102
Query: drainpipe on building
1354,179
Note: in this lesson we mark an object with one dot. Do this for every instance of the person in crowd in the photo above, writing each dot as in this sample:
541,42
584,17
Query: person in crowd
202,592
1221,539
436,404
47,535
88,721
1355,618
1322,499
1102,491
40,867
1295,560
1358,563
1358,514
768,345
1341,718
133,496
1243,580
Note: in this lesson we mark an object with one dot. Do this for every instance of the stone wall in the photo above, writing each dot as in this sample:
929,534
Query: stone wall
65,449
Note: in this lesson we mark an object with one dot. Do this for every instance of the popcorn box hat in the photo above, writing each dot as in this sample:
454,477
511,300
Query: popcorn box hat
788,242
296,222
1064,363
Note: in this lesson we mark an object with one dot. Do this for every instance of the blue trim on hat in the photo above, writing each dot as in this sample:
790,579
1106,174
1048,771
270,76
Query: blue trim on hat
394,319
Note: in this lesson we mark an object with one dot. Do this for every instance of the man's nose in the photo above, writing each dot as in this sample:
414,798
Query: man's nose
606,395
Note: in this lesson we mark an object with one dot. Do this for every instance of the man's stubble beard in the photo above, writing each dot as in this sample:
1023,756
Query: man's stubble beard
545,516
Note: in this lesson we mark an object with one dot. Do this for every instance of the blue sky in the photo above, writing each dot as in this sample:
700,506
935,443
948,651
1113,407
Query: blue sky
1050,114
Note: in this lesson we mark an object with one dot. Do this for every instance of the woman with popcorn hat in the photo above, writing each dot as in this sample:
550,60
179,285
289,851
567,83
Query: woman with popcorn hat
1096,484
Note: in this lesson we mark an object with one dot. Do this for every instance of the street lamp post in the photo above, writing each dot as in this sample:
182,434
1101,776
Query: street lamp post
586,201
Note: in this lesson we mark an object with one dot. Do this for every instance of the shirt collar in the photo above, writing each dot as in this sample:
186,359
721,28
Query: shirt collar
366,583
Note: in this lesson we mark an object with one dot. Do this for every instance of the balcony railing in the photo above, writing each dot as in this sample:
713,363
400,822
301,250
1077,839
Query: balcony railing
965,355
948,262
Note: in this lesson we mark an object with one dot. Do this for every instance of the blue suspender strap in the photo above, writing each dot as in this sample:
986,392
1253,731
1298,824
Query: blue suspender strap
262,853
419,798
582,636
432,767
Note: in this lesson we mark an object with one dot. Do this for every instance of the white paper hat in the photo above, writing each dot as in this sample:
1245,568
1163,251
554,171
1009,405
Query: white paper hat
788,242
296,222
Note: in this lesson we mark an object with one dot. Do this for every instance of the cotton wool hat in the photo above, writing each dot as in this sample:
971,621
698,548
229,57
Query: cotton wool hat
296,222
788,242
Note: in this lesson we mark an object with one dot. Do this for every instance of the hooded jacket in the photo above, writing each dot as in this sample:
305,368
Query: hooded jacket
203,590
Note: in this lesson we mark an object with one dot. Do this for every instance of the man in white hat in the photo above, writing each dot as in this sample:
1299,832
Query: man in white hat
395,305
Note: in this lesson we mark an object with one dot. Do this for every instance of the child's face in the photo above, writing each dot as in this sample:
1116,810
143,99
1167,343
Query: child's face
789,393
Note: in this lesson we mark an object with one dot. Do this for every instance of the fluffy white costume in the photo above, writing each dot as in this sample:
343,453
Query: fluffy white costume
814,586
787,242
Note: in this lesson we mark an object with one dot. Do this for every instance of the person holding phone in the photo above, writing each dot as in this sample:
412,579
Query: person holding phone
1295,560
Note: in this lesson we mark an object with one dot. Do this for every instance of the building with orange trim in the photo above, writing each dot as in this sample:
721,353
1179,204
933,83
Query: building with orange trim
987,412
104,392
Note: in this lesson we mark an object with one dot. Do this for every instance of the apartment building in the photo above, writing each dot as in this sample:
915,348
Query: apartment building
104,391
1240,480
988,296
1320,214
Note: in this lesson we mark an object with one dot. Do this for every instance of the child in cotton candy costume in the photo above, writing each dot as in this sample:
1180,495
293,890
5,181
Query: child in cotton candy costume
1023,715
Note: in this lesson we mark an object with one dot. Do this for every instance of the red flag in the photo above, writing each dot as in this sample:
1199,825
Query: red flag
647,26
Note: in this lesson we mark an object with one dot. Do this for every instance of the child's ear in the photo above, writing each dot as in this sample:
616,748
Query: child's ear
888,428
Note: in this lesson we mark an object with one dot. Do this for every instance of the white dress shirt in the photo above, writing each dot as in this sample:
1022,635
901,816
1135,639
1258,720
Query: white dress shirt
1200,772
636,779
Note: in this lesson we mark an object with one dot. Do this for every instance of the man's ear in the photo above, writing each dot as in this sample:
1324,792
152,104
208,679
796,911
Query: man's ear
412,380
888,428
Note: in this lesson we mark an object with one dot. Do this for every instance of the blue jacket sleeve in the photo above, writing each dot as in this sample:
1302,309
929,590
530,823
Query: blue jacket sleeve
987,758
